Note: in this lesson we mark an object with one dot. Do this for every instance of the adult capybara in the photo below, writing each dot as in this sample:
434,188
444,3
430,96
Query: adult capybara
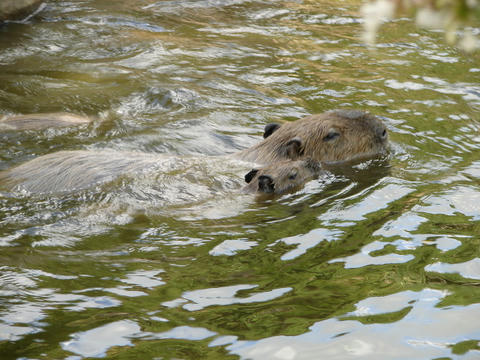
42,121
283,176
333,136
330,137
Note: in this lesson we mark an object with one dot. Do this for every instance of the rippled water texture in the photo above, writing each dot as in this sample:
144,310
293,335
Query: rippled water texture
380,261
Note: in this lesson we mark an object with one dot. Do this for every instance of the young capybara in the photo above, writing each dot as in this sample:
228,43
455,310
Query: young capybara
284,176
333,136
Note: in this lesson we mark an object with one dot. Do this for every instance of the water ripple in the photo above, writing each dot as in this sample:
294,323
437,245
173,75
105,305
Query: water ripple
96,342
379,261
340,339
199,299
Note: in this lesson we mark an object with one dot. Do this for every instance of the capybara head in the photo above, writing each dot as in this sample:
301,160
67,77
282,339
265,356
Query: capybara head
333,136
281,177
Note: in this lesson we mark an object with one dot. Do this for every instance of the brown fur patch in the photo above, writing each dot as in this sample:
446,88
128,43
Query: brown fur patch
356,134
282,176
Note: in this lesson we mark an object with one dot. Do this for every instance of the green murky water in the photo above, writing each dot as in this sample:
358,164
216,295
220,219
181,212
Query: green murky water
378,263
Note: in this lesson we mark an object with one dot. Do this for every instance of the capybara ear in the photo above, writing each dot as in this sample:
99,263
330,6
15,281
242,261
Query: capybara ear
270,129
266,184
251,174
294,148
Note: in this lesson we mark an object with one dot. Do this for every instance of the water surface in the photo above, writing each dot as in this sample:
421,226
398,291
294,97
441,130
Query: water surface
380,261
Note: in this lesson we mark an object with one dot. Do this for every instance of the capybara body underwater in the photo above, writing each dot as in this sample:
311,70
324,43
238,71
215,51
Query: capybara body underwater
300,146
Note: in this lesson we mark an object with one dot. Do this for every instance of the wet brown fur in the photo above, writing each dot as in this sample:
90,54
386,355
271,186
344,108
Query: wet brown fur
285,176
42,121
360,134
298,146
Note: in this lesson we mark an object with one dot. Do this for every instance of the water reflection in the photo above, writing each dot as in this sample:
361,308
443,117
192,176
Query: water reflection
464,200
231,247
468,270
95,342
307,241
423,331
379,261
406,226
184,332
147,279
364,258
199,299
370,201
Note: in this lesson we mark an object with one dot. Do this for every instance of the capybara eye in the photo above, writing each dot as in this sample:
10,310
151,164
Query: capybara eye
384,133
331,135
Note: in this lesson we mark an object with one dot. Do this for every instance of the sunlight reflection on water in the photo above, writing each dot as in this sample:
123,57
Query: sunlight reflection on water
377,261
430,332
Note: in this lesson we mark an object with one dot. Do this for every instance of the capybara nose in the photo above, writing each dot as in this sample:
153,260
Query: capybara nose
265,184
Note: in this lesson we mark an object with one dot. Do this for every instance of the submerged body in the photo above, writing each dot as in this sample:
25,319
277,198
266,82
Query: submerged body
297,147
68,171
42,121
75,170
